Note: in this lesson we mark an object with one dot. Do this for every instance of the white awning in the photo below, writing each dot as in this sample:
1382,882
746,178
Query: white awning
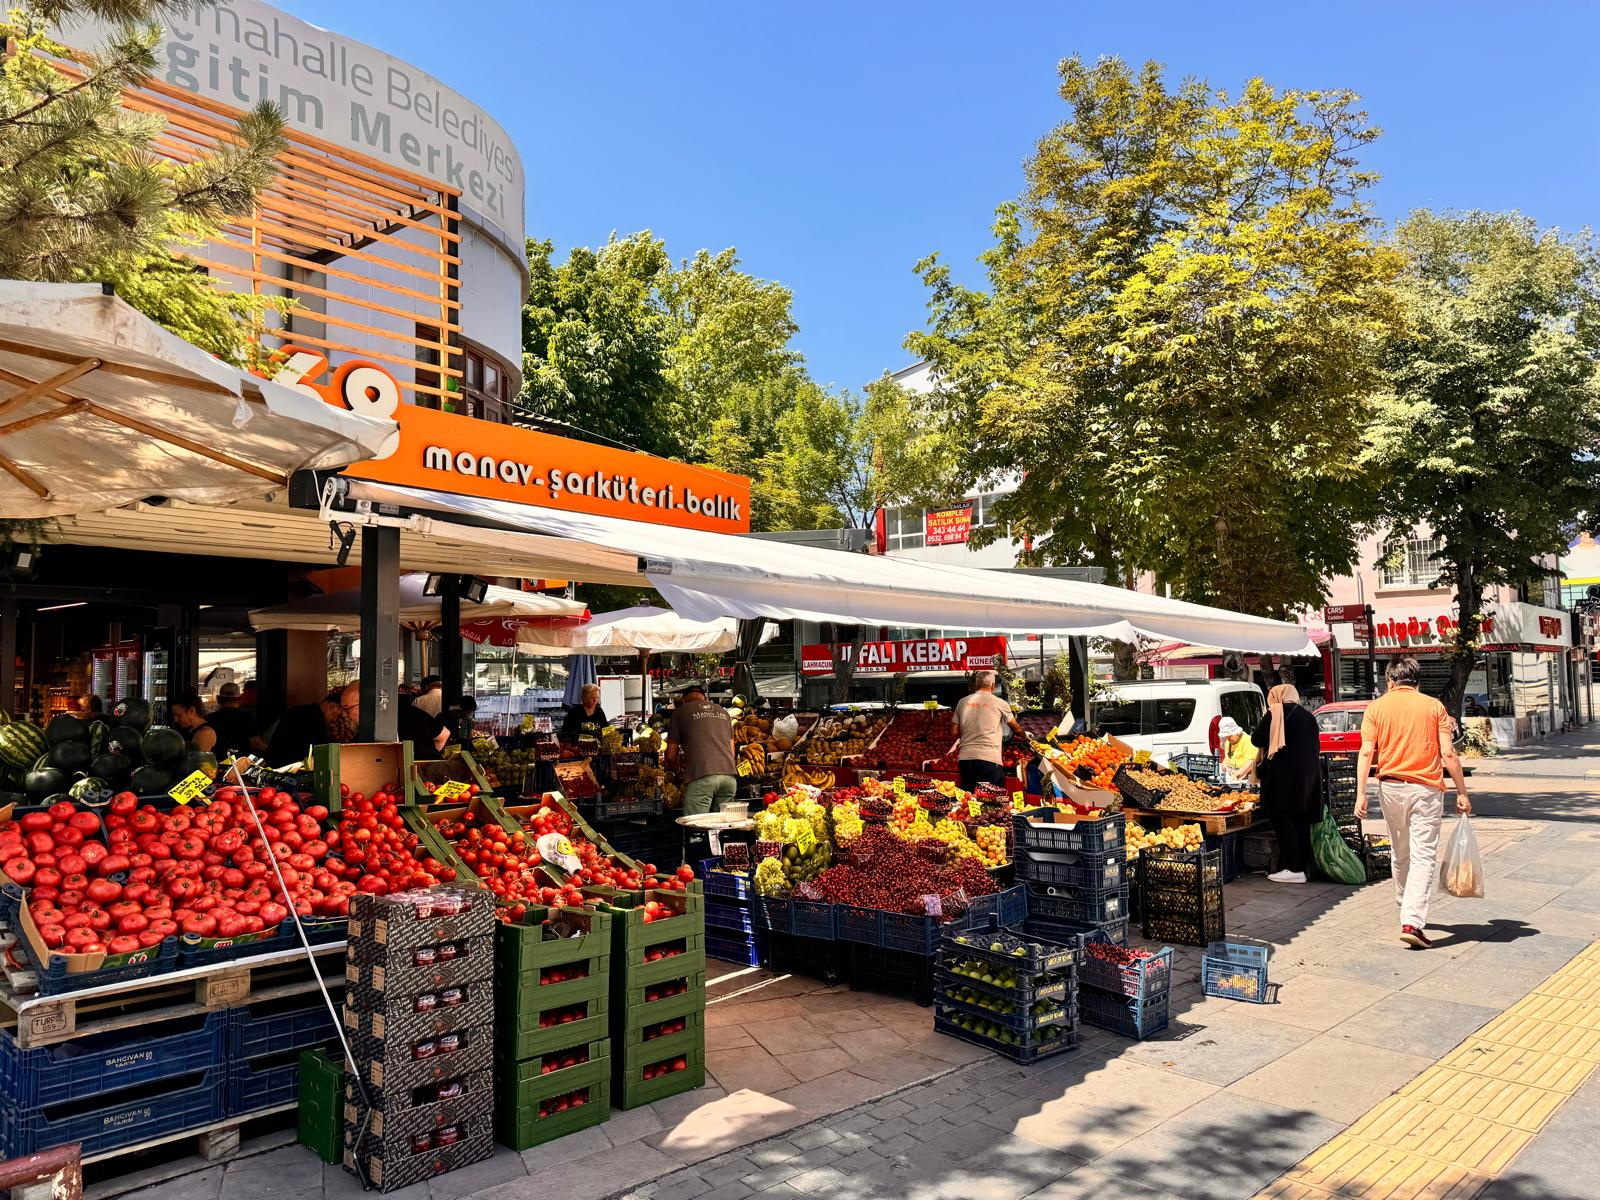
709,575
341,611
81,369
659,630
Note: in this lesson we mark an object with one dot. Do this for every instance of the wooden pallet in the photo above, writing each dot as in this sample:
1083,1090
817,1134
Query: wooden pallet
46,1020
221,1141
1213,823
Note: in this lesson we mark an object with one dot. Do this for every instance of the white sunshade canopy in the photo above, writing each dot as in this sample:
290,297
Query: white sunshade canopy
659,630
341,611
705,576
100,406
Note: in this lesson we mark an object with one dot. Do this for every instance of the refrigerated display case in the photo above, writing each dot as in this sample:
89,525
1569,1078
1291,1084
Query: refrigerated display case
155,685
116,671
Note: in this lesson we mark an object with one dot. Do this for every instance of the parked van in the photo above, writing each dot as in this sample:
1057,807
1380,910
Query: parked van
1174,716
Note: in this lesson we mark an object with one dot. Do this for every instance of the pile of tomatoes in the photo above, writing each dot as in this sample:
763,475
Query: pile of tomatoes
379,853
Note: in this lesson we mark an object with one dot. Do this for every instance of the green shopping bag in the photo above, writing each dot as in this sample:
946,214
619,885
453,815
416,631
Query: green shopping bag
1332,854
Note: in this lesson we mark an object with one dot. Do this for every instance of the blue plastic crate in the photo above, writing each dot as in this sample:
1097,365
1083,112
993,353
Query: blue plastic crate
320,931
1081,905
1073,868
734,917
108,1062
1236,969
730,885
911,934
1125,1015
811,918
1141,979
1034,829
51,970
120,1119
276,1026
864,926
773,914
262,1083
747,950
1026,1054
1010,905
1232,847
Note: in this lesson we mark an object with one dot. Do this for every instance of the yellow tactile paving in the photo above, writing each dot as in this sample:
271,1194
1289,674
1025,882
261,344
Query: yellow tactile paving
1453,1129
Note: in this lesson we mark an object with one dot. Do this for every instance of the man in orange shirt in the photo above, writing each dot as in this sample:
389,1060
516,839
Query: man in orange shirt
1412,737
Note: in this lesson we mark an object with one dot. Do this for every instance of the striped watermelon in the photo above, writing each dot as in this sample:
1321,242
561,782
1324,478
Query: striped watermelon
97,735
21,744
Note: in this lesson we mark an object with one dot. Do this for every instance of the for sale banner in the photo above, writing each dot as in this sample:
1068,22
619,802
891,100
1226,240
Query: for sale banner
911,657
947,526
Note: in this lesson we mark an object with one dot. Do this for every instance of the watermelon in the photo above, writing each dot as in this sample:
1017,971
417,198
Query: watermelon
198,760
164,747
71,757
91,791
113,768
133,710
21,744
97,735
150,781
126,741
39,784
66,728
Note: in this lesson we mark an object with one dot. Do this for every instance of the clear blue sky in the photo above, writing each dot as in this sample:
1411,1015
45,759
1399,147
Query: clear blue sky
836,143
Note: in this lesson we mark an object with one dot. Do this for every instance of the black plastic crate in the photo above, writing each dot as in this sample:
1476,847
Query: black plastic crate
953,993
1139,979
1089,906
1126,1015
825,960
1076,934
1036,829
1004,980
1074,868
891,970
1025,1053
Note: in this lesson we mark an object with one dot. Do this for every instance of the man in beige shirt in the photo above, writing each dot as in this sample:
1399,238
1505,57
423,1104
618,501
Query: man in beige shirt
977,722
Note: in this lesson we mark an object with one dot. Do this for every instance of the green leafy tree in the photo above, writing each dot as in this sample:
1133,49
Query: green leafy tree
84,195
1177,337
1488,424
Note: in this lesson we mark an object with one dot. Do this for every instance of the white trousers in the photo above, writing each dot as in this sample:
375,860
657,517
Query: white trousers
1413,813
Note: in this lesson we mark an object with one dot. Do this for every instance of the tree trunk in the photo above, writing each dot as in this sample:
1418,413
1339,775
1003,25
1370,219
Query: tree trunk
844,665
1463,657
1271,671
1124,661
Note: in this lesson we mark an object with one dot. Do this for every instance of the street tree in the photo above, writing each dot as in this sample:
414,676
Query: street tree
1487,428
86,196
1177,337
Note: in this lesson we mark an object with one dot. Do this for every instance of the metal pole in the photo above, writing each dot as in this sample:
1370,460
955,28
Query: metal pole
380,634
1372,655
1078,676
8,653
450,637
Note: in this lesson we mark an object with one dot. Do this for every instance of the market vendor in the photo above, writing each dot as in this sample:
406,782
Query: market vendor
700,744
189,716
978,722
586,718
1238,751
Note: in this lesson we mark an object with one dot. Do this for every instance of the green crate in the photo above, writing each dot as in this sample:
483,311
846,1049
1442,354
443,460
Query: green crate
629,978
632,1036
632,1059
631,1094
630,931
518,1084
526,1129
365,766
521,951
518,1036
631,1006
692,941
319,1120
522,993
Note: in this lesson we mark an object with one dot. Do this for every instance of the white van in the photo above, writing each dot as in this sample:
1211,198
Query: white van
1174,716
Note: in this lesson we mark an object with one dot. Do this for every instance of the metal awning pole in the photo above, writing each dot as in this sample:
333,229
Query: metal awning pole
450,637
380,634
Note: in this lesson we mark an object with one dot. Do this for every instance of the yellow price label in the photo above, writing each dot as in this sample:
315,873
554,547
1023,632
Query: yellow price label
805,839
450,789
191,787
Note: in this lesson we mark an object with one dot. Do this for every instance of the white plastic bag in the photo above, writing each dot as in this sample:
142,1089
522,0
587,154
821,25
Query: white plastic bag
786,727
1460,865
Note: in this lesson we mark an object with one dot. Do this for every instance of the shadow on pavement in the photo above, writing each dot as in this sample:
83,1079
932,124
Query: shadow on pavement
1491,931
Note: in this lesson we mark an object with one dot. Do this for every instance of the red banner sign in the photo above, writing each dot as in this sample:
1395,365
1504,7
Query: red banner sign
947,526
913,657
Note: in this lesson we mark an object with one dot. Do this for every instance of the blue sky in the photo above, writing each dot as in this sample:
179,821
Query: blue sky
836,143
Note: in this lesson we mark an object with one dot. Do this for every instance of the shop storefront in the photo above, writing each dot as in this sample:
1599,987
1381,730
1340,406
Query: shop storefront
1522,682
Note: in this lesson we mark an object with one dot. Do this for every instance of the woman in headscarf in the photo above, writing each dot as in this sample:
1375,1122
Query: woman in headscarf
1290,771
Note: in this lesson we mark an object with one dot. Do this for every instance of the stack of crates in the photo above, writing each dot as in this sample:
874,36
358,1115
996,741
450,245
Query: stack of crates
1007,992
1181,896
319,1114
658,996
419,1018
552,1062
1075,873
1339,794
734,932
1128,995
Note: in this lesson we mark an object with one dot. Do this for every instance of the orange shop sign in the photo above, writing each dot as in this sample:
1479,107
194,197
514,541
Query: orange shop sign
450,453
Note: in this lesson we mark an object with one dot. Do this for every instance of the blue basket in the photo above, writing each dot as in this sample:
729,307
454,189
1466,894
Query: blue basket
1026,1054
1082,905
1126,1015
269,1027
1232,847
732,917
1236,969
1034,830
1063,1013
811,918
774,914
109,1062
257,1084
911,934
120,1120
747,951
1074,868
731,885
863,926
320,931
1141,980
1010,905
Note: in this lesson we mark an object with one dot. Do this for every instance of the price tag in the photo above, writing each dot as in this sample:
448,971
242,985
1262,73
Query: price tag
191,787
450,789
805,839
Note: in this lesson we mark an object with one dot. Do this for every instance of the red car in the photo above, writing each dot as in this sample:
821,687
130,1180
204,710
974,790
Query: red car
1340,724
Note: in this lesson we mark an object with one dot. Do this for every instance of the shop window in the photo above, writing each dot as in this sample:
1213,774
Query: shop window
1418,565
485,388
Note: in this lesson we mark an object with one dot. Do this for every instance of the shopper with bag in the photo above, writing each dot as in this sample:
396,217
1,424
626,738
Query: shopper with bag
1411,736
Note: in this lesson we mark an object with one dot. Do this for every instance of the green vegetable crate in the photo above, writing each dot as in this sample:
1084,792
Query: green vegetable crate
658,996
320,1115
553,995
